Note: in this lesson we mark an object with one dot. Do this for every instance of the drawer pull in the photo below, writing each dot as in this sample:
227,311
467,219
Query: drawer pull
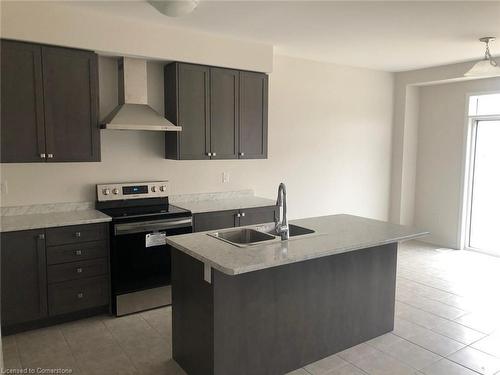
78,234
78,252
80,295
79,270
41,236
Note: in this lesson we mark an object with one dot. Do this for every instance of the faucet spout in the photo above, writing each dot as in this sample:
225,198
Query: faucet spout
282,222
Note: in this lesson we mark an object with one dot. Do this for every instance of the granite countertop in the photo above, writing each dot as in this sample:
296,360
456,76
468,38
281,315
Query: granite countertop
335,234
222,204
46,216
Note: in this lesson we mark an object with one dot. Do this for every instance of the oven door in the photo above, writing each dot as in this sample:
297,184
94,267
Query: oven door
140,259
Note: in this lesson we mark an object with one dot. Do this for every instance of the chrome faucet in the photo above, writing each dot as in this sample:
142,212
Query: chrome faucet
282,222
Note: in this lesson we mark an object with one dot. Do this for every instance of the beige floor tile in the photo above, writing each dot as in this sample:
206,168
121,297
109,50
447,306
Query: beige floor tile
412,355
446,367
382,364
130,327
436,343
458,332
357,352
109,360
347,370
11,359
323,366
384,342
169,367
300,371
476,360
485,322
406,329
490,344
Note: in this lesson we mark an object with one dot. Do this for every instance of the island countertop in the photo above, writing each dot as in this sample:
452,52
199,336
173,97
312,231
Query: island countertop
334,234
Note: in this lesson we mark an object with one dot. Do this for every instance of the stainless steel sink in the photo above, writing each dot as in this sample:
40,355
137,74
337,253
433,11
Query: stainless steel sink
294,230
243,236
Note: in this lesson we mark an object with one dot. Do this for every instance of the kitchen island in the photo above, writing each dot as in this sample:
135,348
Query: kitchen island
276,306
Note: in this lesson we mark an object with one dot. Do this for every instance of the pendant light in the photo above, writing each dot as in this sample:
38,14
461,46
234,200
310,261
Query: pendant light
174,8
487,67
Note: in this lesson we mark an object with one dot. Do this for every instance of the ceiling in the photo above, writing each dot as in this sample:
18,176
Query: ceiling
390,36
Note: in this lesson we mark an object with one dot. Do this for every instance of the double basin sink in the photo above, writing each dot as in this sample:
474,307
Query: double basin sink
243,237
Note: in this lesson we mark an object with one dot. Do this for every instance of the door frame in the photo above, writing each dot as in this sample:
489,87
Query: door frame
471,123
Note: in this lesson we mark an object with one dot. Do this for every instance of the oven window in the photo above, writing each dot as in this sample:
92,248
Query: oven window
136,267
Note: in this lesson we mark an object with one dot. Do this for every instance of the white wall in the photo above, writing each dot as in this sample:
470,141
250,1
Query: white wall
441,155
329,140
69,24
405,129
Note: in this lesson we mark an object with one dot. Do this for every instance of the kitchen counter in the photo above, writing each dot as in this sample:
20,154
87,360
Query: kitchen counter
46,216
301,300
223,204
333,235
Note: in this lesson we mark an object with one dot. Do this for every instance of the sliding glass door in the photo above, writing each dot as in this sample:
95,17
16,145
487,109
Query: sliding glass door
484,215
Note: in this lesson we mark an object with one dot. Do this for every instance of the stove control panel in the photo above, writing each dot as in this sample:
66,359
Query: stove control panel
133,190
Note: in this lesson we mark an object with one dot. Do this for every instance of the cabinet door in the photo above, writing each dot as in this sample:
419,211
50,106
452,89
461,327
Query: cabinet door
215,220
224,92
259,215
193,111
71,104
253,115
22,123
24,276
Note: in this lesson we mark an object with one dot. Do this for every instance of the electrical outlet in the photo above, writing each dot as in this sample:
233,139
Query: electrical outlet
225,177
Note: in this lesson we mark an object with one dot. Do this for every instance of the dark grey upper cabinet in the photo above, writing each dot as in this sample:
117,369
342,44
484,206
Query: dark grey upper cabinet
224,93
208,103
49,108
24,276
71,104
187,105
22,124
253,115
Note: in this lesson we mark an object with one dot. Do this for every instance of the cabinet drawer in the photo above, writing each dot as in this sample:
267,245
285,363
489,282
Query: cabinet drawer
78,295
77,234
77,270
77,252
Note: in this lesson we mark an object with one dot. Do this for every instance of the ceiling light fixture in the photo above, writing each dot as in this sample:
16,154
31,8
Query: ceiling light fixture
174,8
487,67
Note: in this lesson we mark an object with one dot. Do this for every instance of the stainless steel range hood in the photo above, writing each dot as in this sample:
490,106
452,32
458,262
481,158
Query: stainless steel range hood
133,111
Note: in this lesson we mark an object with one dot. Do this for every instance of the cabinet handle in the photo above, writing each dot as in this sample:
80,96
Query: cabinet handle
214,154
80,295
79,270
209,154
242,214
41,236
42,156
242,154
78,252
50,156
238,215
78,234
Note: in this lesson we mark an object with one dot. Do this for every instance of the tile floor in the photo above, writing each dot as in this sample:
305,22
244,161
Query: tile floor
447,323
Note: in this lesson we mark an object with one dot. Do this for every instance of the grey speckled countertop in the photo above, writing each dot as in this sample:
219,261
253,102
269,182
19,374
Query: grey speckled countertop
10,223
334,235
233,203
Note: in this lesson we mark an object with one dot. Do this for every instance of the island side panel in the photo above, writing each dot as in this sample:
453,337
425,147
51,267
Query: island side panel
276,320
192,315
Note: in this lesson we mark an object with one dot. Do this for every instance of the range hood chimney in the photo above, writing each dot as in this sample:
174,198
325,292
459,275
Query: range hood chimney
133,111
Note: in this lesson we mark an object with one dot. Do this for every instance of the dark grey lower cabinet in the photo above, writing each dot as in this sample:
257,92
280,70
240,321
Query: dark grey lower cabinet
24,276
258,215
215,220
44,284
233,218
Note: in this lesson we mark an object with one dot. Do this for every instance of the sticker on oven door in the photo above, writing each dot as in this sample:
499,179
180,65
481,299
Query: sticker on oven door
156,239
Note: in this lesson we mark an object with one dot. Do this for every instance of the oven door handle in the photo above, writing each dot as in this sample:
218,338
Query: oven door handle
152,226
